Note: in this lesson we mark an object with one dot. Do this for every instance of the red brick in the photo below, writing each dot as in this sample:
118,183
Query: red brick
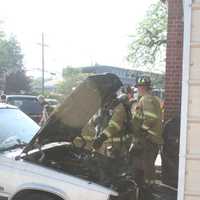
174,58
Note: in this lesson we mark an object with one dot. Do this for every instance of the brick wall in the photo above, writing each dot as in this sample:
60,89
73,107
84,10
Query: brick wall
174,58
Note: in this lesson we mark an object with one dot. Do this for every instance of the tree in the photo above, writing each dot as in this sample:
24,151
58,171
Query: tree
72,78
147,49
12,73
17,82
1,32
11,58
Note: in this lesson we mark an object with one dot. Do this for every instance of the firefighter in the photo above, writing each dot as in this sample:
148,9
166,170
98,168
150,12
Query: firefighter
116,125
46,110
119,124
3,98
42,101
147,128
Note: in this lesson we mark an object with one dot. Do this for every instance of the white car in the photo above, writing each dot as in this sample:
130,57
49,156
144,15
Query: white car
46,164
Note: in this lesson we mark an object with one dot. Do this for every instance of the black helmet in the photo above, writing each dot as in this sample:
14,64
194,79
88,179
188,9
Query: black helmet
143,81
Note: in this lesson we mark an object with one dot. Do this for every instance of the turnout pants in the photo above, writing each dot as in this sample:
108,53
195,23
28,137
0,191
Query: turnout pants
143,163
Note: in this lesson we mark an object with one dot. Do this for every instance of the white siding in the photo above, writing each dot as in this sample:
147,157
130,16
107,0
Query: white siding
192,178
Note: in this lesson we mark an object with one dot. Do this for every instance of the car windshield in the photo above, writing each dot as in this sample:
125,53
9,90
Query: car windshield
27,105
16,128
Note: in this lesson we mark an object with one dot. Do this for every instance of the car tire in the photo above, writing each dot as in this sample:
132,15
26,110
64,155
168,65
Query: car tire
38,196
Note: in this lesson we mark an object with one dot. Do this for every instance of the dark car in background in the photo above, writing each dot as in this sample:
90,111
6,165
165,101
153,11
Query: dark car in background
28,104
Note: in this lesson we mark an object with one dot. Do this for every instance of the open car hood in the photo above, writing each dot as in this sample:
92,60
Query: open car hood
67,121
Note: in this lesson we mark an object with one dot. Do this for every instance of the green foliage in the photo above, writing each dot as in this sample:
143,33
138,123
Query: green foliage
36,86
1,32
11,64
72,78
11,58
148,45
17,82
158,81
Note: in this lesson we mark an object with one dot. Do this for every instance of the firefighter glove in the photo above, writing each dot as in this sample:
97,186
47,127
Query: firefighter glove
99,141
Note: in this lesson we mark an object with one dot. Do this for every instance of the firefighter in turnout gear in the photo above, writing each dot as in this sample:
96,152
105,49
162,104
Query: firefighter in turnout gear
117,125
147,125
145,129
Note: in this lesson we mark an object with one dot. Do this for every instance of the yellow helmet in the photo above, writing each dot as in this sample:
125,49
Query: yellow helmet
143,81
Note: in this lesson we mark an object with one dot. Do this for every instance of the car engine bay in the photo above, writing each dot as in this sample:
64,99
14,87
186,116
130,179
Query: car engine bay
90,166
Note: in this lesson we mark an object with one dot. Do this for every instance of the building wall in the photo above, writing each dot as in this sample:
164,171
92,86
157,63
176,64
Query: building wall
192,179
127,76
174,59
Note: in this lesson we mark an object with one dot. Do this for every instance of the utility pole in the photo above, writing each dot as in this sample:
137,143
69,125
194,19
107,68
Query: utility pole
43,64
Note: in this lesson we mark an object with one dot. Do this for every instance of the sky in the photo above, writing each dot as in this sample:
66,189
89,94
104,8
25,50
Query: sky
76,32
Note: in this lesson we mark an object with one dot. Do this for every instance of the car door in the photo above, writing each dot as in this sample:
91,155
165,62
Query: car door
16,128
3,194
7,177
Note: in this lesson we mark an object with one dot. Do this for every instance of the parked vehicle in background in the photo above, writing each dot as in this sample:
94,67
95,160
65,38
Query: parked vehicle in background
52,102
28,104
